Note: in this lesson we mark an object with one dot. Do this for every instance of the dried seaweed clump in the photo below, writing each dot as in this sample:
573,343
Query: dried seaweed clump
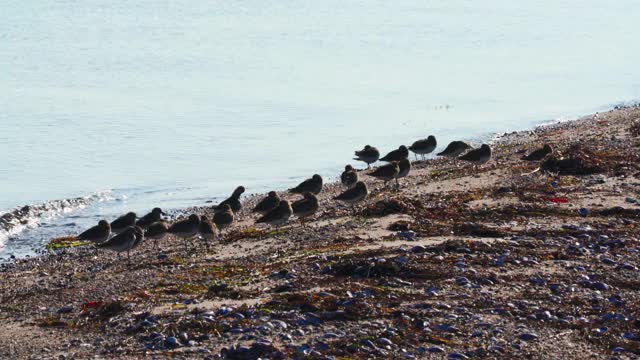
580,161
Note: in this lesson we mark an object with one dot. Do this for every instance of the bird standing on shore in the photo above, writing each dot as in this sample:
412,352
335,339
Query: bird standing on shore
349,176
404,167
539,154
156,231
478,156
233,201
123,222
369,155
396,155
96,234
305,207
312,185
224,218
355,195
206,229
424,146
278,216
187,228
268,203
454,149
154,216
386,173
123,241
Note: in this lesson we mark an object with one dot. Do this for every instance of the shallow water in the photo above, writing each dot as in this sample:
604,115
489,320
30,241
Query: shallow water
142,104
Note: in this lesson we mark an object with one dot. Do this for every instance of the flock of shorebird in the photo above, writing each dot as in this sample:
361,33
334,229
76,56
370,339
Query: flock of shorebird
128,231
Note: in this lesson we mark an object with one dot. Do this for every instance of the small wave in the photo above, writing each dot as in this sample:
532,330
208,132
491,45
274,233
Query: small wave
16,220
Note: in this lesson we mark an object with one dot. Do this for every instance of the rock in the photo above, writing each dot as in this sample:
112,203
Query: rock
171,342
528,337
435,349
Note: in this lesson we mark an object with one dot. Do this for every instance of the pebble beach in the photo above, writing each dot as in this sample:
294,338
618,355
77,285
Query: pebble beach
519,260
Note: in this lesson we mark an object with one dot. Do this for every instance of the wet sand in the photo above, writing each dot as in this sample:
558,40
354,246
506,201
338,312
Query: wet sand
506,263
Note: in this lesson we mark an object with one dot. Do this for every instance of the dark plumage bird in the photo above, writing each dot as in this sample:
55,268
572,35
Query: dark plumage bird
387,172
349,176
98,233
154,216
396,155
124,241
369,155
305,207
278,216
186,228
268,203
224,218
139,237
539,154
354,195
424,146
312,185
123,222
233,201
157,231
404,166
454,149
206,229
478,156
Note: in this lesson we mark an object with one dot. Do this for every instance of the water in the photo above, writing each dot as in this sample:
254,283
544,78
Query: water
145,103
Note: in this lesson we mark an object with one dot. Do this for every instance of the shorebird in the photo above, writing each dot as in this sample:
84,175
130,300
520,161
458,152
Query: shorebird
233,201
539,154
478,156
96,234
157,231
312,185
278,216
369,155
305,207
186,228
123,222
454,149
154,216
396,155
224,218
349,176
139,238
123,241
268,203
354,195
404,166
206,229
386,173
424,146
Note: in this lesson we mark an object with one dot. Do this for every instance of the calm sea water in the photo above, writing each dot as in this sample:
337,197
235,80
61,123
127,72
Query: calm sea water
154,103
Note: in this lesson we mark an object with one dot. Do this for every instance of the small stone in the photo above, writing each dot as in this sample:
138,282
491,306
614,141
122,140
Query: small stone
528,337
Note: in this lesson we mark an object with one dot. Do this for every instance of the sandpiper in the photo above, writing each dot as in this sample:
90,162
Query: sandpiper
386,173
354,195
98,233
123,222
139,237
233,201
396,155
123,241
268,203
454,149
224,218
349,176
404,166
206,229
305,207
154,216
157,231
312,185
539,154
278,216
186,228
369,155
424,146
478,156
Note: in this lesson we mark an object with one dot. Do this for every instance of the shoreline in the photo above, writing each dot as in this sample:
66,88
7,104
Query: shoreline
507,263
